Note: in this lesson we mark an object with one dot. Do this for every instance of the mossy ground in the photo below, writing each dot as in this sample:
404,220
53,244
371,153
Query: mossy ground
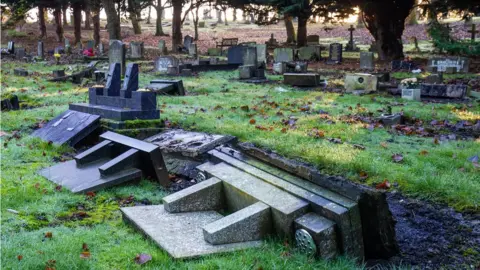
216,104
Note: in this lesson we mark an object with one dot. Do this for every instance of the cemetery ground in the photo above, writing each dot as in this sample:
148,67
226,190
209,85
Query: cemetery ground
327,129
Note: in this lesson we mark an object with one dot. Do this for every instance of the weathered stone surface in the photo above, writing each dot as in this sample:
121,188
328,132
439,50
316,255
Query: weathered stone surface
279,68
162,63
136,49
116,54
448,64
69,127
335,55
283,55
261,54
301,79
411,94
360,81
167,87
204,196
309,53
436,78
323,233
250,56
313,39
180,235
242,190
246,72
248,224
20,72
443,90
367,60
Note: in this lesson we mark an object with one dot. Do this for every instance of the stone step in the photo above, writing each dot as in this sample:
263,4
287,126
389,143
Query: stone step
248,224
204,196
323,233
347,218
242,190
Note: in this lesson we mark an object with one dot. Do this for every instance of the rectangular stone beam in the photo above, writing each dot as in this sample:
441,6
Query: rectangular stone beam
249,224
99,151
126,160
204,196
323,233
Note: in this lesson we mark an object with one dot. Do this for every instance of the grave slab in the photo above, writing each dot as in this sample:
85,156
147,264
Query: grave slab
443,90
167,87
70,127
301,79
180,234
361,81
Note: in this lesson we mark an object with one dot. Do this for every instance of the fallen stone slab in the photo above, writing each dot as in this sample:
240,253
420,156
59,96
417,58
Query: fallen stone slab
443,90
170,87
20,72
301,79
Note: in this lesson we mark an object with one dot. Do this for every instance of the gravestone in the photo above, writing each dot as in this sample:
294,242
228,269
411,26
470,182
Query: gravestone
59,73
20,72
163,47
313,40
68,47
101,49
301,79
335,55
201,24
360,81
261,54
283,55
279,68
120,104
170,87
10,103
90,44
351,47
116,54
272,42
235,54
246,71
192,50
163,62
309,53
250,56
436,78
367,60
443,90
448,64
411,94
11,47
19,53
136,49
40,50
115,160
187,40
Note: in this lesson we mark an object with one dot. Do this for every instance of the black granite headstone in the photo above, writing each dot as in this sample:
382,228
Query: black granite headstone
11,47
112,88
130,83
40,50
235,54
335,53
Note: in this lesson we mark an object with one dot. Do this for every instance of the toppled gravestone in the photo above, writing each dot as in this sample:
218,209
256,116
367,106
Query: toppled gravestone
443,90
327,216
115,160
166,87
301,79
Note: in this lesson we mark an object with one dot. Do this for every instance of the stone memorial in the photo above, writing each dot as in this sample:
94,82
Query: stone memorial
115,160
435,78
90,45
163,62
361,82
101,49
250,56
11,47
279,68
335,55
301,79
367,60
169,87
313,39
163,47
448,65
192,50
411,94
40,50
19,53
261,54
136,50
201,24
309,53
120,103
235,54
403,65
187,40
116,54
272,42
443,90
283,55
351,46
20,72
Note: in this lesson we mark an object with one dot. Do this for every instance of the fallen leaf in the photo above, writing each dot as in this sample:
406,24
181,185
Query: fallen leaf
384,144
85,255
58,188
435,141
142,258
397,158
284,130
252,121
90,194
423,152
19,257
363,175
383,185
48,235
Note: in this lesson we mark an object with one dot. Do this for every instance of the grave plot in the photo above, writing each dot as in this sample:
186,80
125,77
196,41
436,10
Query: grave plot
263,200
115,160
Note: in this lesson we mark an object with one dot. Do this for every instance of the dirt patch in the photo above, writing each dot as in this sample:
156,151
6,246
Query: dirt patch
433,236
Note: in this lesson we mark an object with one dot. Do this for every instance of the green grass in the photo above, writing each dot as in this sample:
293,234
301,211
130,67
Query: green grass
444,174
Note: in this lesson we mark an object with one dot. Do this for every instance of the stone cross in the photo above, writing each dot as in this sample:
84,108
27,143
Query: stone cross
351,29
474,31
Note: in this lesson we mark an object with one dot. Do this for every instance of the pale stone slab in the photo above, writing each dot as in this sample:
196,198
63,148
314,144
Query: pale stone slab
322,231
180,235
249,224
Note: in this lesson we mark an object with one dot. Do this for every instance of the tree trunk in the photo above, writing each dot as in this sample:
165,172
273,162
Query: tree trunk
290,28
88,16
41,22
96,25
132,10
412,17
234,14
386,22
225,13
219,16
196,18
57,13
113,21
64,15
302,31
158,28
177,24
149,14
77,23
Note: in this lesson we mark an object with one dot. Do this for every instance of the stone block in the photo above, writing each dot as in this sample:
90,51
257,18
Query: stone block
309,53
436,78
246,72
448,64
323,233
248,224
301,79
412,94
204,196
279,68
20,72
367,60
443,90
283,54
360,81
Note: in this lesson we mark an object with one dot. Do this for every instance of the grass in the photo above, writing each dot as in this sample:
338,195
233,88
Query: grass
215,105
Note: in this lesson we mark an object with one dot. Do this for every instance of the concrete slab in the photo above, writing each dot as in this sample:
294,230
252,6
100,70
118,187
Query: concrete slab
249,224
204,196
322,231
180,235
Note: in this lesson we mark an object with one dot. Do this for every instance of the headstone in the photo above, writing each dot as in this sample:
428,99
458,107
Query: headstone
201,24
456,64
130,83
162,46
40,50
172,70
279,68
235,54
406,65
68,48
59,73
169,87
443,90
90,44
261,54
283,54
112,87
11,47
436,78
192,50
360,81
272,42
187,40
136,49
351,47
313,40
250,56
309,53
115,160
20,72
19,53
301,79
116,54
101,49
246,71
411,94
335,55
162,63
10,103
367,61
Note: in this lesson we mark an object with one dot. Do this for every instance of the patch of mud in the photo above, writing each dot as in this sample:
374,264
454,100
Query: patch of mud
433,236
